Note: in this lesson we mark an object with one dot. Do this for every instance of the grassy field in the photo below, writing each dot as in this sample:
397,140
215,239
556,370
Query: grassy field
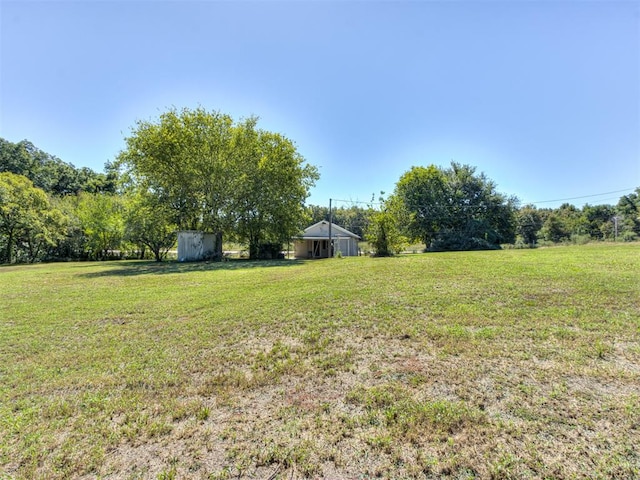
503,364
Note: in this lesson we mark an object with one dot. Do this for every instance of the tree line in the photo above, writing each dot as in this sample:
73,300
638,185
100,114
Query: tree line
187,170
201,170
456,208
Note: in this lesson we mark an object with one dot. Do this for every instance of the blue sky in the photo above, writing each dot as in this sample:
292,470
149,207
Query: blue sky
541,96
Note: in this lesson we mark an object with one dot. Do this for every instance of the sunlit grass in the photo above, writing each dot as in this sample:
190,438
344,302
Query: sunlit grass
506,364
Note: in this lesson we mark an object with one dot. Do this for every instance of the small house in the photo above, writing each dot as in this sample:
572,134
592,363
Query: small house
194,245
316,241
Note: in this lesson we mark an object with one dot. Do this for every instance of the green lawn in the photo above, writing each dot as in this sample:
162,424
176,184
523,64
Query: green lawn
502,364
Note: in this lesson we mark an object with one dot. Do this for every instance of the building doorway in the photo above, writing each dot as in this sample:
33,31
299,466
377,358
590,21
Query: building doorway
320,249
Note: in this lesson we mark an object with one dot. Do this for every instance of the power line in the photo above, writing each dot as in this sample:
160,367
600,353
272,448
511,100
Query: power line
584,196
356,201
370,203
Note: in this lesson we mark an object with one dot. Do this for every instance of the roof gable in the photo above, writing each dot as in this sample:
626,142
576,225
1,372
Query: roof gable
321,230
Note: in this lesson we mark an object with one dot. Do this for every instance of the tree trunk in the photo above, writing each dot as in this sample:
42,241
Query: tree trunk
254,247
9,246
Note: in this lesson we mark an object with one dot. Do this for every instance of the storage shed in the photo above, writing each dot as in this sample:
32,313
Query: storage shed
194,245
315,242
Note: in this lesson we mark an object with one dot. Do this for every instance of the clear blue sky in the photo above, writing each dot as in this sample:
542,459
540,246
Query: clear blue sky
542,96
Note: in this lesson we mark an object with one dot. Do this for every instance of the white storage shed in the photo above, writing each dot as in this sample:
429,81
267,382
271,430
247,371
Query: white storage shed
194,245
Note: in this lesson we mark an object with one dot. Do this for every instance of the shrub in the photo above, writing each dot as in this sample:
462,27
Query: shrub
456,241
577,239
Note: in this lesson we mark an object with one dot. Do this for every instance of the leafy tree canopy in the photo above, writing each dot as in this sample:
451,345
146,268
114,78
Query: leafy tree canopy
148,224
102,220
28,222
269,188
49,173
383,231
455,208
220,176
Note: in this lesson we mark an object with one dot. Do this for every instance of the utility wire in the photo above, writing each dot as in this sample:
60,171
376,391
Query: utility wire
526,203
356,201
584,196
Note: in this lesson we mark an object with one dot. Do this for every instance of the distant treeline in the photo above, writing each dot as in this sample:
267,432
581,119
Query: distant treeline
529,226
51,174
47,205
51,210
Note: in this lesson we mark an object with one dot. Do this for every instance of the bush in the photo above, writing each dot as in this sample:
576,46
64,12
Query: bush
455,241
270,251
520,244
383,234
577,239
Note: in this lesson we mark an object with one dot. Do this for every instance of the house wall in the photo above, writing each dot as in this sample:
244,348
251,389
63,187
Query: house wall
347,246
314,242
301,248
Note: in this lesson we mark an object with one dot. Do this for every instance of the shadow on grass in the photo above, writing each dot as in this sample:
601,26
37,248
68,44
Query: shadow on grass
128,268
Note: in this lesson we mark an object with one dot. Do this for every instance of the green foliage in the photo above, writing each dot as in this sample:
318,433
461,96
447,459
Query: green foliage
423,193
554,229
529,224
455,208
354,218
102,219
185,160
593,222
628,209
383,232
46,223
49,172
73,245
597,221
194,169
28,222
269,188
469,238
148,224
218,176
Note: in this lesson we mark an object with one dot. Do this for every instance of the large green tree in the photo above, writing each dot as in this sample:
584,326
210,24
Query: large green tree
74,243
220,176
383,231
628,209
455,208
271,182
597,221
185,160
29,224
554,228
148,224
560,224
424,195
102,219
529,224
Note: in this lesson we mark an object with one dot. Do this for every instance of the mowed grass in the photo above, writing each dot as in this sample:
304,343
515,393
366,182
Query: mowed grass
505,364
